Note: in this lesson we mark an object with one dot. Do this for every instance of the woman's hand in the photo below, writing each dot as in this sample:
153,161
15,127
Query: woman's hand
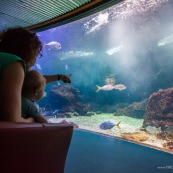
64,78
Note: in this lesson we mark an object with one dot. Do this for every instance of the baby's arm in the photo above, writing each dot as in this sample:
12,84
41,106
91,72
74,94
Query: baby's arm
40,119
27,120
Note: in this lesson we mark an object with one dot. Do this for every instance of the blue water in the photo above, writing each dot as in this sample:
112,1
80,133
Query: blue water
94,153
136,62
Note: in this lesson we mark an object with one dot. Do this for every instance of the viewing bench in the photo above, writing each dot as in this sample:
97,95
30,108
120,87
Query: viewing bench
34,147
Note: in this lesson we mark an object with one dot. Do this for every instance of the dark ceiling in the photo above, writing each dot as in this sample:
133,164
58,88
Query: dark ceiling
43,14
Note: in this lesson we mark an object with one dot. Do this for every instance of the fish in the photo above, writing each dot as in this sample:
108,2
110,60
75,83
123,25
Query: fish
38,35
38,66
109,125
110,80
66,67
75,54
53,45
111,87
114,50
165,40
58,83
55,111
105,88
120,87
169,129
153,129
45,94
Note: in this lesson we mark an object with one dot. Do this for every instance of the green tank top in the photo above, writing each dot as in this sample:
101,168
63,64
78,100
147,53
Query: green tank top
6,59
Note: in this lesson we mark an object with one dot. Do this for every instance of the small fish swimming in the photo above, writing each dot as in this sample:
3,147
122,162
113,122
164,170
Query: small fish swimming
38,66
169,129
114,50
55,111
153,129
120,87
53,45
165,40
58,83
109,125
38,35
110,80
105,88
75,54
45,94
111,87
66,67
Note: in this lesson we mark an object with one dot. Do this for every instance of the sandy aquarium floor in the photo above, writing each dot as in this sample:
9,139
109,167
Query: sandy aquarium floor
127,125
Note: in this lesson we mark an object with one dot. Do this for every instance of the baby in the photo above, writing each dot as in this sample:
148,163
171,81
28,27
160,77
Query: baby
32,91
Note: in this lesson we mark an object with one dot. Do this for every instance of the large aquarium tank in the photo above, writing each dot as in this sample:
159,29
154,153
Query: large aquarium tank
120,62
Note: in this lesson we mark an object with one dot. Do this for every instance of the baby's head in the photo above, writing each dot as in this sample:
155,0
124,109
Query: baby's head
34,85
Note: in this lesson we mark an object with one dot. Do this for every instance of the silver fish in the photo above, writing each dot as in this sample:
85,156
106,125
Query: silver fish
169,129
66,67
114,50
75,54
120,87
105,88
153,129
53,45
111,87
165,40
38,66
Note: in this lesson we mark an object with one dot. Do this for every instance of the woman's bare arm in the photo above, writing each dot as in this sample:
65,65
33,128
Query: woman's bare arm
10,93
53,78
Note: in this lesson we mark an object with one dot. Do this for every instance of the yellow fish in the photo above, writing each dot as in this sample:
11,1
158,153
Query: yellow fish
105,88
111,87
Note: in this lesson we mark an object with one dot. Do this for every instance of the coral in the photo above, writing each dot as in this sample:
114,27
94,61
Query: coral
168,145
136,109
77,108
63,95
66,99
159,110
89,114
162,135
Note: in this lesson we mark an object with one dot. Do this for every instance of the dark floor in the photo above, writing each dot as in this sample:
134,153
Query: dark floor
95,153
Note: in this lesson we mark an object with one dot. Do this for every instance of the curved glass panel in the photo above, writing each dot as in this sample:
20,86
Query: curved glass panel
121,63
